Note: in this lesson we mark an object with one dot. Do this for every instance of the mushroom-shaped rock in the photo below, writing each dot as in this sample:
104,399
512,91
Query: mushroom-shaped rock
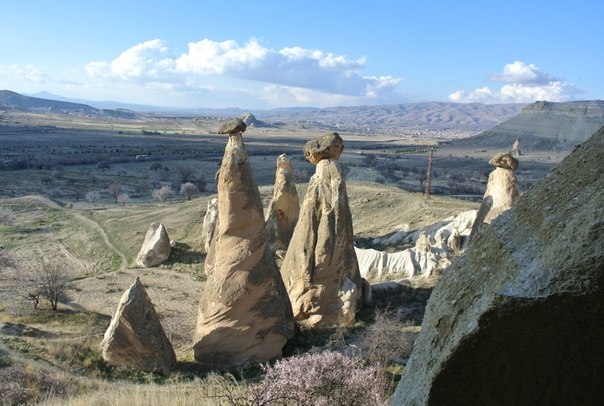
156,246
320,269
329,146
135,337
244,312
505,161
233,127
502,190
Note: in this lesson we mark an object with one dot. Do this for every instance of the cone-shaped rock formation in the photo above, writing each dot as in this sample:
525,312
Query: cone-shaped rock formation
284,208
244,313
135,337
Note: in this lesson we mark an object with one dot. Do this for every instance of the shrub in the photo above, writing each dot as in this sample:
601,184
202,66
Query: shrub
7,217
385,339
163,193
19,386
325,378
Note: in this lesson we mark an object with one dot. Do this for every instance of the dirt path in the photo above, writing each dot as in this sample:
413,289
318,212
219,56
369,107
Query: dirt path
87,222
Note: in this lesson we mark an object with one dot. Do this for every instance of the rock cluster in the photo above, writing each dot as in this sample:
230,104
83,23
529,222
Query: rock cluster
433,249
320,268
156,246
519,318
284,208
244,313
135,337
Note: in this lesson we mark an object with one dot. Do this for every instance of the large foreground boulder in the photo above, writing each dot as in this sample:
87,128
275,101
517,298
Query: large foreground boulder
135,337
156,246
320,268
244,313
519,318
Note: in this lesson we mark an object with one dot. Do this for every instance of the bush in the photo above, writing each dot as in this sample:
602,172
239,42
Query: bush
19,386
387,338
325,378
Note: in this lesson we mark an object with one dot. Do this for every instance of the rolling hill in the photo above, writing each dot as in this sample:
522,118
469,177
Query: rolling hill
544,126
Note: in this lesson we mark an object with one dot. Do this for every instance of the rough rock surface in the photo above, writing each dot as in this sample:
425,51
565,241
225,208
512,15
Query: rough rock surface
233,127
135,337
515,151
502,190
519,318
329,146
320,268
434,247
244,314
284,208
209,223
156,247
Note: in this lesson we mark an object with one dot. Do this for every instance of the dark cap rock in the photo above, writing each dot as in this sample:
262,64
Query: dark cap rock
234,126
328,146
505,161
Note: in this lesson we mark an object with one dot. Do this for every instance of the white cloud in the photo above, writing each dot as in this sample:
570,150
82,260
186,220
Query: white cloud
28,73
142,61
519,72
207,60
524,83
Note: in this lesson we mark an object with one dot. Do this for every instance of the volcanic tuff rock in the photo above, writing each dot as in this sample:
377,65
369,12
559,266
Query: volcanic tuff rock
234,126
519,318
320,268
135,337
156,246
284,208
244,313
502,190
209,223
329,146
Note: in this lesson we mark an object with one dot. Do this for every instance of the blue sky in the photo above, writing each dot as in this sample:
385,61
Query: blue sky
267,54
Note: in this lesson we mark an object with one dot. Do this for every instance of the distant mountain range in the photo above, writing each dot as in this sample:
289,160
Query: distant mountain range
18,102
384,119
545,126
541,125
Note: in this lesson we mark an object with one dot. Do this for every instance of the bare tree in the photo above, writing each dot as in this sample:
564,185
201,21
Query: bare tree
50,282
163,193
188,189
185,174
114,190
122,199
92,196
156,166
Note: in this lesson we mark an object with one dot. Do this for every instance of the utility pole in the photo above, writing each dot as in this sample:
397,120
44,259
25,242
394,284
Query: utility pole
429,175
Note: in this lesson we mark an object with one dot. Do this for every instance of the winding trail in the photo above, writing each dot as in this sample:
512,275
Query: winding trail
87,222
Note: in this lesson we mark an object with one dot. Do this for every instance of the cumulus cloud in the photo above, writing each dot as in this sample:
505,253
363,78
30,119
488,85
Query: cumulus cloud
29,73
523,83
142,61
205,60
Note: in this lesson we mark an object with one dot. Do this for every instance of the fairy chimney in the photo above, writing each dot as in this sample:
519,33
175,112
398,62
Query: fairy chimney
244,313
320,268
